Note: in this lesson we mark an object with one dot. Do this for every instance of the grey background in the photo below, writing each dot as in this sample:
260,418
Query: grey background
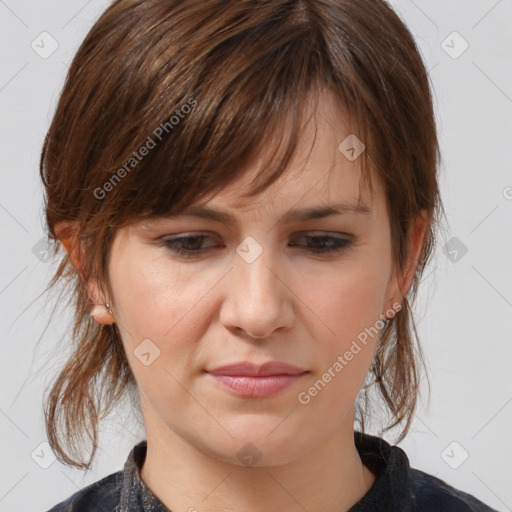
464,314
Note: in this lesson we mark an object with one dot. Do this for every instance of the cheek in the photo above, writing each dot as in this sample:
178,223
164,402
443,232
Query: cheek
349,305
348,299
166,304
147,301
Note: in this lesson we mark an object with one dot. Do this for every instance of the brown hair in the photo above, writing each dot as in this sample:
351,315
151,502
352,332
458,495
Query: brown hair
242,67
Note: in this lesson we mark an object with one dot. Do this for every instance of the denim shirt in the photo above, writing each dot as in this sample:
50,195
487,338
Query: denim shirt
397,488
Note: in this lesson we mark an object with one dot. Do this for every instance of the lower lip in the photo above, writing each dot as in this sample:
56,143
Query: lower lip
257,387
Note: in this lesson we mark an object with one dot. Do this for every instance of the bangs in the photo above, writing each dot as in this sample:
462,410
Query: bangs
174,131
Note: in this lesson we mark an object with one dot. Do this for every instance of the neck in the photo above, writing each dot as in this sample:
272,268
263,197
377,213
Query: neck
329,478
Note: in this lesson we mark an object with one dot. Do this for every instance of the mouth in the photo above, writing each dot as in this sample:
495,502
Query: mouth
248,380
257,387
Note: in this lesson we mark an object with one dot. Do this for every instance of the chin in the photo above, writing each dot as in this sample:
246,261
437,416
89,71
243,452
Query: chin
267,443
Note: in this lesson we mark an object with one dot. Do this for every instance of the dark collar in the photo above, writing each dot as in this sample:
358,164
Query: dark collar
393,487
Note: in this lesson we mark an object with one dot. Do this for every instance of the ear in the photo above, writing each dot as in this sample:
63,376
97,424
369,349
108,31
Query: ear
66,232
401,279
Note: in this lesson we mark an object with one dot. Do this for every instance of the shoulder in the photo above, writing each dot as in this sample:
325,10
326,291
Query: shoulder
401,488
435,495
100,496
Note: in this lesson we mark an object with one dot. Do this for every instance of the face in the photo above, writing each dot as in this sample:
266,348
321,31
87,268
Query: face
259,288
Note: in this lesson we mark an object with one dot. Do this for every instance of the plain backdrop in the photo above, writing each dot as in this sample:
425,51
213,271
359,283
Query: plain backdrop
464,312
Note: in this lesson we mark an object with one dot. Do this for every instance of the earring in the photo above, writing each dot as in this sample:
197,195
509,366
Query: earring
102,314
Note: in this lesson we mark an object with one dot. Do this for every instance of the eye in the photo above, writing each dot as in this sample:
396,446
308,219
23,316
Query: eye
187,246
193,246
326,244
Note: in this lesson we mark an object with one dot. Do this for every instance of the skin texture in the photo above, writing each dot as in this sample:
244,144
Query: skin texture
287,305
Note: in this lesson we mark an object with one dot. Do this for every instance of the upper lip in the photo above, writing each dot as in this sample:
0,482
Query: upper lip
247,368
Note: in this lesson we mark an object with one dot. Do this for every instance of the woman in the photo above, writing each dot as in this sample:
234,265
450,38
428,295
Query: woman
247,194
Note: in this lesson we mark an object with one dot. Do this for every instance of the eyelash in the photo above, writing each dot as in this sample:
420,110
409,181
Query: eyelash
342,244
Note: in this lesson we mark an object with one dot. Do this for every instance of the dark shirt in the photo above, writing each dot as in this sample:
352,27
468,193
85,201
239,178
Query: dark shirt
397,488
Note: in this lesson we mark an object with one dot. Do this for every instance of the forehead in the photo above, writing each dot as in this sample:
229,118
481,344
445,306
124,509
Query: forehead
322,170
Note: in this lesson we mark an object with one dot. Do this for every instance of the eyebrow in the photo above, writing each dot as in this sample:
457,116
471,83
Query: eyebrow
298,215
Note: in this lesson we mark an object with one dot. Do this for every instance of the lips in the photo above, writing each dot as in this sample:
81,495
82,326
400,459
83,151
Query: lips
246,368
248,380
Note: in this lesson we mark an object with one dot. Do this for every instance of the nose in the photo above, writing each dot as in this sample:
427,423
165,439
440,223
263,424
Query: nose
258,299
